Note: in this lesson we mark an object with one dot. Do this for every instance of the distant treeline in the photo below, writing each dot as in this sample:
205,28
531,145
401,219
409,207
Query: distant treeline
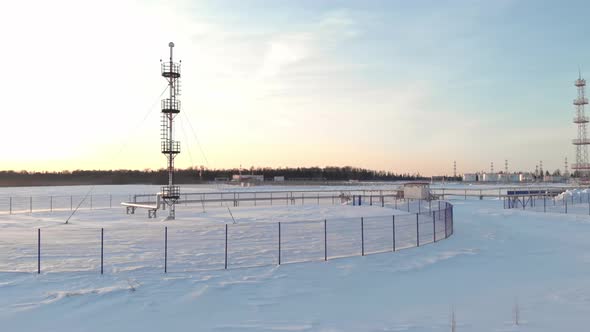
193,175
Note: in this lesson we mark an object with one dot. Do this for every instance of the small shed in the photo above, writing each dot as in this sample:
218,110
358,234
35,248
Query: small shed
417,190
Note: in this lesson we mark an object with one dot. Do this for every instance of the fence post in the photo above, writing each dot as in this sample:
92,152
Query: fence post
362,237
371,200
38,250
165,249
446,232
226,246
417,231
325,240
393,232
434,226
255,199
71,203
101,250
271,199
544,203
50,203
90,202
318,199
465,194
31,204
279,243
10,206
408,205
110,201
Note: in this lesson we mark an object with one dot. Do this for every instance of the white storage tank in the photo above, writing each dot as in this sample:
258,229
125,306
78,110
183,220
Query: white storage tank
490,177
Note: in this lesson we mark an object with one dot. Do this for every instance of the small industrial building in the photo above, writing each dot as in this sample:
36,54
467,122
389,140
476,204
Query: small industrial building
279,179
526,177
247,178
417,190
469,177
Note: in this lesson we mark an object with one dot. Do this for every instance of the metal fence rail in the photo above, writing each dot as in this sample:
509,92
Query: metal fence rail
31,204
574,204
182,248
498,192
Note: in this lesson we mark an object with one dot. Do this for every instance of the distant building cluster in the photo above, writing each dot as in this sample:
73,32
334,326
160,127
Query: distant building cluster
512,177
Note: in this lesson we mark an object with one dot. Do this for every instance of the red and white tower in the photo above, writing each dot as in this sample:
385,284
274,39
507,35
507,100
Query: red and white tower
581,167
170,148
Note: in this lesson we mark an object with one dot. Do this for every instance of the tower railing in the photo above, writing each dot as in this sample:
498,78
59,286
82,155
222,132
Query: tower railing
170,105
170,192
581,101
582,166
581,119
580,141
170,147
171,69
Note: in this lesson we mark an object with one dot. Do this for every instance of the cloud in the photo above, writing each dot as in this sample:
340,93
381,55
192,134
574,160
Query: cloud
311,40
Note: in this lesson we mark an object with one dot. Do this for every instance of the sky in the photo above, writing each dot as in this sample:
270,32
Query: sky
404,86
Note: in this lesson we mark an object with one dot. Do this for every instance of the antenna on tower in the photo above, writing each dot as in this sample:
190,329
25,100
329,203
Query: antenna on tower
170,148
492,167
566,172
454,168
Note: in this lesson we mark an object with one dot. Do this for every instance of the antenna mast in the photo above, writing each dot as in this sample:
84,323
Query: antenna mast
581,167
170,147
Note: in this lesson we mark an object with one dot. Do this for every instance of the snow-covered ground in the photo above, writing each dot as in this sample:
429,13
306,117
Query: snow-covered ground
495,258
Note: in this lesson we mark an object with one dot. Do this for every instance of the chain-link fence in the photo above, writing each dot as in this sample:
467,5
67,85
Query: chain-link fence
186,248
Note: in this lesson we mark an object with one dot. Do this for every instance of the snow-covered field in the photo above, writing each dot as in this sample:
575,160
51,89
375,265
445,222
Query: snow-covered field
494,259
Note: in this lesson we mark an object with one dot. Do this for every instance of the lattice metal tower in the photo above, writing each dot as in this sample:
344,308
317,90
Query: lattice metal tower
566,171
581,167
170,148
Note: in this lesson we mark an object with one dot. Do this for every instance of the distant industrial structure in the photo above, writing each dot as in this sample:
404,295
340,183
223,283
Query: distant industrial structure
170,148
581,167
512,177
517,177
